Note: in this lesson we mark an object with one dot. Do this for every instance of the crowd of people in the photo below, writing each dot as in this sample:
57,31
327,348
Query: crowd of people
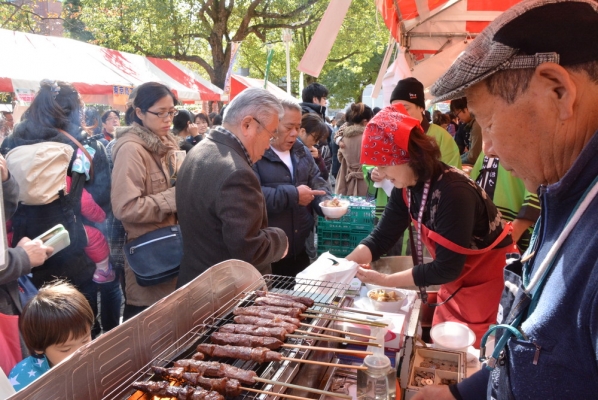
247,184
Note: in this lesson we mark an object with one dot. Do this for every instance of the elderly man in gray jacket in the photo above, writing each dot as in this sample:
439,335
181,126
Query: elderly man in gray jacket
220,204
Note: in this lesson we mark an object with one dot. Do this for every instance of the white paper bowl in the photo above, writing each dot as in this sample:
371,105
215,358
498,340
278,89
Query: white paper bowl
335,212
388,306
452,336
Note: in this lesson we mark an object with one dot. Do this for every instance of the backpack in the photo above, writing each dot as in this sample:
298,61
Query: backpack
40,170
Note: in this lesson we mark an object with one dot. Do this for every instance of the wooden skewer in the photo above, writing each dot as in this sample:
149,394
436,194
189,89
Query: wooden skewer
288,396
333,339
349,309
330,336
307,389
325,363
342,319
339,331
296,346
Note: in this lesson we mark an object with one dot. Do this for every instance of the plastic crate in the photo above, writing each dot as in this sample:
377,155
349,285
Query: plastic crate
339,242
359,218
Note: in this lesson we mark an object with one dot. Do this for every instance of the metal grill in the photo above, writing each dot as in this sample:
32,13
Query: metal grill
322,292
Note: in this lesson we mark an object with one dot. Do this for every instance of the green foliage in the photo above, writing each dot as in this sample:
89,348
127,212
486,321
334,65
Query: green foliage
20,17
73,24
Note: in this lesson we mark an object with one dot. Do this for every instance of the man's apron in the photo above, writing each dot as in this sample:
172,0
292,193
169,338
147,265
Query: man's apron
481,282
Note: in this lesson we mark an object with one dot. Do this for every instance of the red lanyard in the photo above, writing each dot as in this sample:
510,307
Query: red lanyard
420,216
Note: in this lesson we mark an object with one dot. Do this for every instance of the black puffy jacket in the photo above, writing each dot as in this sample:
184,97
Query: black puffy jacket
282,197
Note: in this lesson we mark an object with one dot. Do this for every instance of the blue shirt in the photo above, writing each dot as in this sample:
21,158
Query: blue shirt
28,370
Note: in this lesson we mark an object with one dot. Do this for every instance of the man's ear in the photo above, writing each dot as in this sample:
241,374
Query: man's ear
556,83
246,125
315,100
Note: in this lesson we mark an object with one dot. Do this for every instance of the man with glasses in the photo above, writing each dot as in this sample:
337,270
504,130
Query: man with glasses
472,132
220,204
110,120
292,186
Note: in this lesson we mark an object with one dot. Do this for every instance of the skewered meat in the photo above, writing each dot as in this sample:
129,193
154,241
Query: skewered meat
300,299
225,386
279,302
252,320
258,354
235,339
164,388
276,332
266,312
219,370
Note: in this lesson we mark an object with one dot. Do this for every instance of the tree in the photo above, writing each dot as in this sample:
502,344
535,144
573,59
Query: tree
73,24
24,16
352,64
198,31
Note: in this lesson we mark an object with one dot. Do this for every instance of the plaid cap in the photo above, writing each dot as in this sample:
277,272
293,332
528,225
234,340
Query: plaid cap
526,35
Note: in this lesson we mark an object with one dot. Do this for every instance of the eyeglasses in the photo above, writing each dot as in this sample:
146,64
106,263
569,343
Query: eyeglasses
273,135
164,114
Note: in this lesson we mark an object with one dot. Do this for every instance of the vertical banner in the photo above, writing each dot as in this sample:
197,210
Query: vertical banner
321,43
233,57
270,55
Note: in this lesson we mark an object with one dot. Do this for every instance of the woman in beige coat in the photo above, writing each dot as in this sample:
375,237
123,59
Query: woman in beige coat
142,181
349,181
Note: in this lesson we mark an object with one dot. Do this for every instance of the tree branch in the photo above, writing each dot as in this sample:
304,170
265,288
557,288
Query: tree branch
351,54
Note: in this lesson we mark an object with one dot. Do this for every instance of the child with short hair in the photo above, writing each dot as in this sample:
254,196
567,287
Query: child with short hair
55,323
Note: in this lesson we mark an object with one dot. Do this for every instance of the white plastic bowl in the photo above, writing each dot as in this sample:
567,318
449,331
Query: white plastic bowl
388,306
335,212
452,336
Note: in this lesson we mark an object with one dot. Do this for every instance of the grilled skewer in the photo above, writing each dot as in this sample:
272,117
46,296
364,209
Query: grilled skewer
164,388
277,332
266,312
264,322
299,299
279,302
219,370
268,342
225,386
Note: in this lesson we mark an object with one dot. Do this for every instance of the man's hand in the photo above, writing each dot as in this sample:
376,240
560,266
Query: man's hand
371,276
434,392
306,195
3,169
37,252
377,176
314,152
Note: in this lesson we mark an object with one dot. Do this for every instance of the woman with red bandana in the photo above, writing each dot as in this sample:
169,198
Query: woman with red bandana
452,216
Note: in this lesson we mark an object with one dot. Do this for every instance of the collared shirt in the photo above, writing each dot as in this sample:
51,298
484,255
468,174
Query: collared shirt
229,133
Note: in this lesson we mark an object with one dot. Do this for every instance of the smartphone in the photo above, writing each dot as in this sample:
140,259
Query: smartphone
57,237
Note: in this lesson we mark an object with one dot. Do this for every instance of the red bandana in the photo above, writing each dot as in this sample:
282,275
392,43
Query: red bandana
386,137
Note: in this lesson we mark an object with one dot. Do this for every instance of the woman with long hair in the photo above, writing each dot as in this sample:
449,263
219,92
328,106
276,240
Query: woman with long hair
453,218
349,180
144,173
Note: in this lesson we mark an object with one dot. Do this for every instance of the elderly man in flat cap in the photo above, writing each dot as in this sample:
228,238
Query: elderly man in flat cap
531,78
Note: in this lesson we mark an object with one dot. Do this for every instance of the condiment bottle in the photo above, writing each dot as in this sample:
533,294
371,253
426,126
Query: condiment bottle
378,381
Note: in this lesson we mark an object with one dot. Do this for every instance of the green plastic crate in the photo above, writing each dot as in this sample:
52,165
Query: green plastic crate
358,218
339,242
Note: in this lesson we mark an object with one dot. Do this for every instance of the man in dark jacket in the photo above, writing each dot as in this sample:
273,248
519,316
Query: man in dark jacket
220,204
314,99
292,186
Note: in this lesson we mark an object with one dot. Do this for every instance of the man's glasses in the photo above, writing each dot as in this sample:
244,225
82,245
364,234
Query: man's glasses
273,135
164,114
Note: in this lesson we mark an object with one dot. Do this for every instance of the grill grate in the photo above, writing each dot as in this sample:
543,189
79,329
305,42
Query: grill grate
283,371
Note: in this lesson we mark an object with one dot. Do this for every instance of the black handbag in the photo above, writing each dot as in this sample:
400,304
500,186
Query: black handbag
156,256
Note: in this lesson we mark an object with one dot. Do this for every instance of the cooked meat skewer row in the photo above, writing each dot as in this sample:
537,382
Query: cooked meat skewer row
267,312
164,388
265,322
257,354
279,302
277,332
219,370
225,386
236,339
299,299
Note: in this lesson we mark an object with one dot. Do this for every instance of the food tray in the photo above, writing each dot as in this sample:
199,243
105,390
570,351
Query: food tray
440,367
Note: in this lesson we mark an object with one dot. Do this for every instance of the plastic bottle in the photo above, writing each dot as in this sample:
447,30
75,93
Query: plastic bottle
378,382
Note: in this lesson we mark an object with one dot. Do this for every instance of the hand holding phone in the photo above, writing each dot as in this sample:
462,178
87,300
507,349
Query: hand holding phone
36,251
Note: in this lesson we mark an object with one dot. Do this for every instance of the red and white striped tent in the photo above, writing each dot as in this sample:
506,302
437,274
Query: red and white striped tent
93,70
432,33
